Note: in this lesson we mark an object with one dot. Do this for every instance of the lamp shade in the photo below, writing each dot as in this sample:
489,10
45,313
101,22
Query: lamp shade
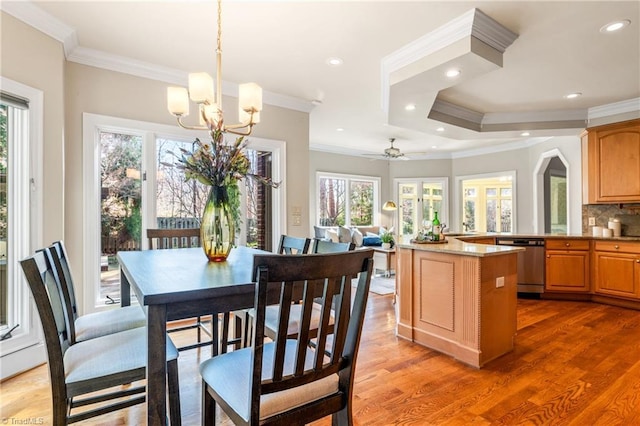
389,205
178,101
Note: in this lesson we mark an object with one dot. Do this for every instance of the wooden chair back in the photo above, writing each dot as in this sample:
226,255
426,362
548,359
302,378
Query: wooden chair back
323,246
293,245
47,294
57,256
326,274
173,238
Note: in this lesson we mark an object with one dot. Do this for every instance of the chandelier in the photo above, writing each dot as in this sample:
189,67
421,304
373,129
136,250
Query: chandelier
201,91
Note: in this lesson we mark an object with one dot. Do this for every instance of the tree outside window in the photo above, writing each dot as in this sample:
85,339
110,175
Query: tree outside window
346,201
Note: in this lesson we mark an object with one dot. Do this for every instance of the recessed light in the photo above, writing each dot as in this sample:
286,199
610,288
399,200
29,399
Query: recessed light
615,26
339,129
410,107
452,73
573,95
434,147
440,129
334,62
525,134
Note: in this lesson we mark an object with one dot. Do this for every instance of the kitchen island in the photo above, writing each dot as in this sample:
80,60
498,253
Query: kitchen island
458,298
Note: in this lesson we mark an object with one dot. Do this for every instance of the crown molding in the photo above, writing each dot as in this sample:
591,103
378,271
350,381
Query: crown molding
622,107
491,32
37,18
450,109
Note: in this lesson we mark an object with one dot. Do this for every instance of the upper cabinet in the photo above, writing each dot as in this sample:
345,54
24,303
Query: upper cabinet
611,163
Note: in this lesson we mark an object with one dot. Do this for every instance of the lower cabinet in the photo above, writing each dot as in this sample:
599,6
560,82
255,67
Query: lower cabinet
567,265
617,269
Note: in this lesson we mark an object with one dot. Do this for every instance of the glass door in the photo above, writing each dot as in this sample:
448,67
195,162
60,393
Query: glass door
21,345
120,205
418,200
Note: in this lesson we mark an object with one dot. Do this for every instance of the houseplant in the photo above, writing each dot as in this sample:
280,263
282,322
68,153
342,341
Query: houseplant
220,166
387,239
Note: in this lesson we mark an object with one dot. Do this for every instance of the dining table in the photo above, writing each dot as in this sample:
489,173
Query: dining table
175,284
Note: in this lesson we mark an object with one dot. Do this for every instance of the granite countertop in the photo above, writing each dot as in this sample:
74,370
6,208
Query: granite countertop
454,246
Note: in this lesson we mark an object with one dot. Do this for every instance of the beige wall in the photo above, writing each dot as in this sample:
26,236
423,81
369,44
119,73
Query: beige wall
104,92
347,164
523,161
36,60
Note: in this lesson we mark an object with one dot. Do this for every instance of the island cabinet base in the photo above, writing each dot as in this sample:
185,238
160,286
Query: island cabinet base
461,305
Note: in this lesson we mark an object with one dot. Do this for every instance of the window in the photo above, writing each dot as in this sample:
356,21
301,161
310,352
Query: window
347,200
130,185
418,200
21,109
488,203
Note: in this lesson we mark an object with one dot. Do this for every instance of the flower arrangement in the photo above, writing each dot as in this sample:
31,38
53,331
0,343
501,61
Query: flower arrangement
218,163
220,166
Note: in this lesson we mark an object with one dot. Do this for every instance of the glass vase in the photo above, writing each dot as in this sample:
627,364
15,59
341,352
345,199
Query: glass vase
217,231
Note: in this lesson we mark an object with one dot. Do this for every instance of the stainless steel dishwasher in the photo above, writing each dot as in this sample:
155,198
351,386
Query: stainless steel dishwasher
530,262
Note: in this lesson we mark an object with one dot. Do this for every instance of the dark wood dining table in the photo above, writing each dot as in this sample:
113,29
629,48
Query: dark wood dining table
175,284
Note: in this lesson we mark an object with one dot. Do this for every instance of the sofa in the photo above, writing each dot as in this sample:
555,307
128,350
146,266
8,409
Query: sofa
362,237
359,235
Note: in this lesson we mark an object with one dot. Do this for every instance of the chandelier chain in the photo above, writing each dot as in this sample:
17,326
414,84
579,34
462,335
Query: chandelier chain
219,46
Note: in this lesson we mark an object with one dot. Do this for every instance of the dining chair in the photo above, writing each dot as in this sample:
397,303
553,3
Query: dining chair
272,316
293,245
96,324
323,246
188,238
289,246
285,381
82,368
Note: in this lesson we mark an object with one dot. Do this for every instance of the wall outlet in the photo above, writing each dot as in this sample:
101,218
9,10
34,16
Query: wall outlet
499,282
592,221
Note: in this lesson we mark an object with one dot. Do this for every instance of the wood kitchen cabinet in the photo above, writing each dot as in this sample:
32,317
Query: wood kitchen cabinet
617,269
611,163
567,265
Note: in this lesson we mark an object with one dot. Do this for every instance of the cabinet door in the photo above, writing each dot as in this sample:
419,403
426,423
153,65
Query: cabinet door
567,271
617,274
612,162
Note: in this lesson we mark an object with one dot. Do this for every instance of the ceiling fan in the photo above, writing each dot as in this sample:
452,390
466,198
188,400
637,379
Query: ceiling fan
391,153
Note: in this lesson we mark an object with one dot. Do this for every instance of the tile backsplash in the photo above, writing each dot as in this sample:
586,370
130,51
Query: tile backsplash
629,216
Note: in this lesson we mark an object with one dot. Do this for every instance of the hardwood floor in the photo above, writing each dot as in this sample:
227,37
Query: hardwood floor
575,363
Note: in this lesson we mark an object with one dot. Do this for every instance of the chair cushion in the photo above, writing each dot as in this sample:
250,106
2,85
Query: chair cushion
102,323
96,359
229,376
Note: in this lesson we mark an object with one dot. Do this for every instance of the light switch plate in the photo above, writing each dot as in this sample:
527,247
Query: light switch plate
499,282
592,221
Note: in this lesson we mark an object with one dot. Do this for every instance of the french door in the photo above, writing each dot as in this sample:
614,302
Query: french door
21,109
137,186
418,201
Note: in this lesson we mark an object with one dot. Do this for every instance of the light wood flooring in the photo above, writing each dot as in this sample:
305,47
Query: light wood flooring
575,363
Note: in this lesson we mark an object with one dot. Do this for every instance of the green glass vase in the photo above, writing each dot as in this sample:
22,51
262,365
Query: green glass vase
217,231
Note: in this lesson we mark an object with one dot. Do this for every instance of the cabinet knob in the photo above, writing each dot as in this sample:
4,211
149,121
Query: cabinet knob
616,247
567,244
548,257
637,260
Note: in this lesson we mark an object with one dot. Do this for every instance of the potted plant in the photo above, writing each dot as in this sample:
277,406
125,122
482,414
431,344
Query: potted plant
387,239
